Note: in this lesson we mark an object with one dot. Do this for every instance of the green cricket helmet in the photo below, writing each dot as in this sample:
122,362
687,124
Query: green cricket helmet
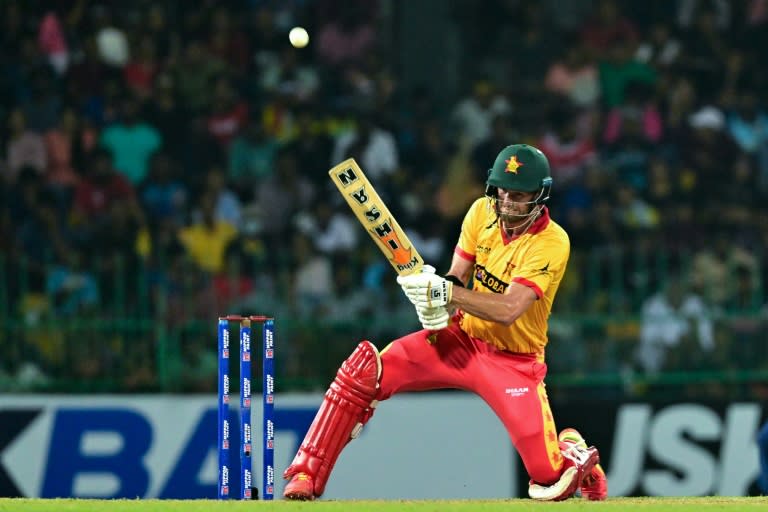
520,167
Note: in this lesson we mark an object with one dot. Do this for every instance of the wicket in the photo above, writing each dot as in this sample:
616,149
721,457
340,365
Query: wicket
268,395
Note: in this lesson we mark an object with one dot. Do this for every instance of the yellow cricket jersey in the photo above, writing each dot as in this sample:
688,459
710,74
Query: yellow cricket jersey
537,259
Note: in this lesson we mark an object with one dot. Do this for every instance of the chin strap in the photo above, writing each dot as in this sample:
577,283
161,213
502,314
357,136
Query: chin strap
532,216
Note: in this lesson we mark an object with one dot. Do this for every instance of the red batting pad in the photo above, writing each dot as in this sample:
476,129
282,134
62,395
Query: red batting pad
347,401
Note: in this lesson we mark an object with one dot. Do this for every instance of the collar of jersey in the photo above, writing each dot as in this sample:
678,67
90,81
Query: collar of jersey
537,227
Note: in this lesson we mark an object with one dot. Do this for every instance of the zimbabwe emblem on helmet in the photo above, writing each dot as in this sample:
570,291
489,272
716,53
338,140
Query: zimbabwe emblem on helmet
512,164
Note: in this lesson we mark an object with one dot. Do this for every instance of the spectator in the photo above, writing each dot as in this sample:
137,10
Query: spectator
88,76
140,72
311,147
67,146
132,141
38,227
229,114
199,152
288,77
25,147
747,124
704,52
638,113
575,76
193,74
350,301
529,45
265,33
206,239
251,159
708,146
74,289
631,131
98,190
227,42
458,188
660,48
157,28
330,230
607,27
343,41
486,150
313,285
632,212
164,111
473,115
373,146
713,268
743,193
163,195
43,106
52,42
227,205
668,317
664,187
688,11
618,69
235,283
569,150
280,196
681,101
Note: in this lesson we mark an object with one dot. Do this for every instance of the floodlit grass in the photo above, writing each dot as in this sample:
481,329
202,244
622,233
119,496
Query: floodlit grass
613,504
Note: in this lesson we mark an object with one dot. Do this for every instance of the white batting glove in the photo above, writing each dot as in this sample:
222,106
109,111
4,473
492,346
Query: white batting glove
425,269
426,289
433,319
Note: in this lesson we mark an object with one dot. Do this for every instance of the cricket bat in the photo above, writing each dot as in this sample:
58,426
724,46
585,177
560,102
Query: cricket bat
375,217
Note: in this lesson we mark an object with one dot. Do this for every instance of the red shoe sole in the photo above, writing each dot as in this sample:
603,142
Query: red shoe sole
296,496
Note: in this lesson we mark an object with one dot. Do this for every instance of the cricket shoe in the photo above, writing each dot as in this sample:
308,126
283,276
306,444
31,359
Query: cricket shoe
594,485
577,463
300,488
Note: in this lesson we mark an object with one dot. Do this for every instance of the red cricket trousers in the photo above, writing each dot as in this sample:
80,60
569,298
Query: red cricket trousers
512,384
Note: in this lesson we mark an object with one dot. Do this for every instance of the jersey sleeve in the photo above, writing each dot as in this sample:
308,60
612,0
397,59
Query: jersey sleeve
545,263
470,227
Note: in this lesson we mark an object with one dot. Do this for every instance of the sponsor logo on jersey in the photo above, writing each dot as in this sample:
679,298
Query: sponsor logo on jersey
489,280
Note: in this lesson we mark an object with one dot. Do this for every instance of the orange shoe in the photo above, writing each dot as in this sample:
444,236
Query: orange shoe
300,488
594,486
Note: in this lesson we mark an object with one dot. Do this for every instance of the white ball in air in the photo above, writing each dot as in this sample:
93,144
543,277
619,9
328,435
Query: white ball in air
298,37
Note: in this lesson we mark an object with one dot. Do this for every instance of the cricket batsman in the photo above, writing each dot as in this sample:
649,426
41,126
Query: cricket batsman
489,339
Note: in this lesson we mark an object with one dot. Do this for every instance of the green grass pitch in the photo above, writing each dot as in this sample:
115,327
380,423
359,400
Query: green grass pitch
612,504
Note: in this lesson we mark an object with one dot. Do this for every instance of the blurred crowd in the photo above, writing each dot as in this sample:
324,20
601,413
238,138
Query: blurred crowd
164,162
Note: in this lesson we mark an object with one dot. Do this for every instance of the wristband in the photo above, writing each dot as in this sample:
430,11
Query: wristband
455,280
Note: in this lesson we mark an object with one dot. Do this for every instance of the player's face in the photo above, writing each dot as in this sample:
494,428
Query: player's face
514,206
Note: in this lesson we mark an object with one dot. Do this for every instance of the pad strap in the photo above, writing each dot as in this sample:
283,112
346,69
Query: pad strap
348,403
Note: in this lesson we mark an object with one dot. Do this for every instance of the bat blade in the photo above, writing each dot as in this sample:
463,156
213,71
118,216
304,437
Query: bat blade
375,217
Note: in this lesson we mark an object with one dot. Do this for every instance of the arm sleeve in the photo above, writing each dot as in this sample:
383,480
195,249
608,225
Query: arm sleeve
545,263
470,227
